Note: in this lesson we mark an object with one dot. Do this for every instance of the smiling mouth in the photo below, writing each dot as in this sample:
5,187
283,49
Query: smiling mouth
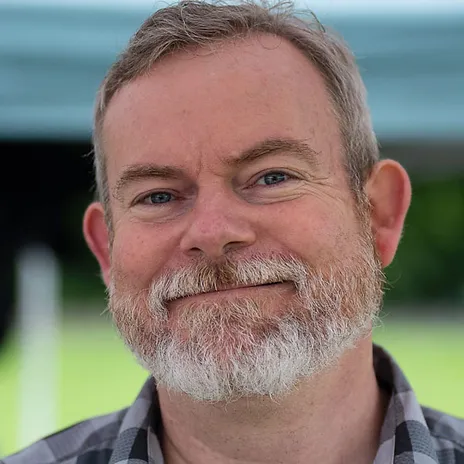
239,287
220,290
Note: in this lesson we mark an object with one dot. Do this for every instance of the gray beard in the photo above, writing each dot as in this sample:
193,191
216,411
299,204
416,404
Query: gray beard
224,351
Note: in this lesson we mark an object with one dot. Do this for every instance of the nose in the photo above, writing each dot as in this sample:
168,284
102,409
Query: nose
217,226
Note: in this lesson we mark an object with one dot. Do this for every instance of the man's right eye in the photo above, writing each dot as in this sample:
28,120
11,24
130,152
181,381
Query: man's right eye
157,198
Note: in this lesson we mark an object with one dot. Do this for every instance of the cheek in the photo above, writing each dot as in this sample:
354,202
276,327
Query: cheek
138,254
312,232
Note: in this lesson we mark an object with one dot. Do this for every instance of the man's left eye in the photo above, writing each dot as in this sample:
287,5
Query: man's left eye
273,178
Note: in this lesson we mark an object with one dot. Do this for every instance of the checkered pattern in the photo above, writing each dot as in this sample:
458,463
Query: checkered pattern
411,434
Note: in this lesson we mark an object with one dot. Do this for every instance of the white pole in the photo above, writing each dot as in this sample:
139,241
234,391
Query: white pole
39,288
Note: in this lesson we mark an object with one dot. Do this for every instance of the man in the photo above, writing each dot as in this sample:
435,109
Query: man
243,222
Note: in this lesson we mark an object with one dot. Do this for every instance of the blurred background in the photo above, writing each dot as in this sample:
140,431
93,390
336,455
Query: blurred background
60,359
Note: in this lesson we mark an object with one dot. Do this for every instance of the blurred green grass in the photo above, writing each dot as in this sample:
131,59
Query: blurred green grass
97,374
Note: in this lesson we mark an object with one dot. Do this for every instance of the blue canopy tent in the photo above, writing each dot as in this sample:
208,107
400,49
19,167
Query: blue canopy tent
53,57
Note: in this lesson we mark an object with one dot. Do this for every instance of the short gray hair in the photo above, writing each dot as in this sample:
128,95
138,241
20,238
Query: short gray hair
196,23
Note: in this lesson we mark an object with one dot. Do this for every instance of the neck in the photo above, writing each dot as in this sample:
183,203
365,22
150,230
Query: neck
332,418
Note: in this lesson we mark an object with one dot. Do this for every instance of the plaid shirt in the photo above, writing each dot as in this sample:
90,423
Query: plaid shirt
411,434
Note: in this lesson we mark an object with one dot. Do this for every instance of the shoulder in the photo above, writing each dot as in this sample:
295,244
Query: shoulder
447,432
87,442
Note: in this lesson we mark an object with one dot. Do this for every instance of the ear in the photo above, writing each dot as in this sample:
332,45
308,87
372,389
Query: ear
97,237
389,193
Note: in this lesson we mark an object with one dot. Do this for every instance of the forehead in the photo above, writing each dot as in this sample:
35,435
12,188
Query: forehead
207,103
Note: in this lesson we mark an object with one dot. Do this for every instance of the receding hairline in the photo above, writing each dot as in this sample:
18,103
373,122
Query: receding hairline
193,51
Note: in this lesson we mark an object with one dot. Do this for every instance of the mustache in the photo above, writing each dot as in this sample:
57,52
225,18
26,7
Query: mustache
204,277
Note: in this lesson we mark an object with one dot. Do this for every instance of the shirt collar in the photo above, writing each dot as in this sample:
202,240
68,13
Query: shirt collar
404,438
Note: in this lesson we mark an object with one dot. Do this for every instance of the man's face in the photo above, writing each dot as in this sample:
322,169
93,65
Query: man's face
240,261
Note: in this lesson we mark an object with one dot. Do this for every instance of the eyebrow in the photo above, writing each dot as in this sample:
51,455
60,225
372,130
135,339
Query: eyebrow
139,172
268,147
274,146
